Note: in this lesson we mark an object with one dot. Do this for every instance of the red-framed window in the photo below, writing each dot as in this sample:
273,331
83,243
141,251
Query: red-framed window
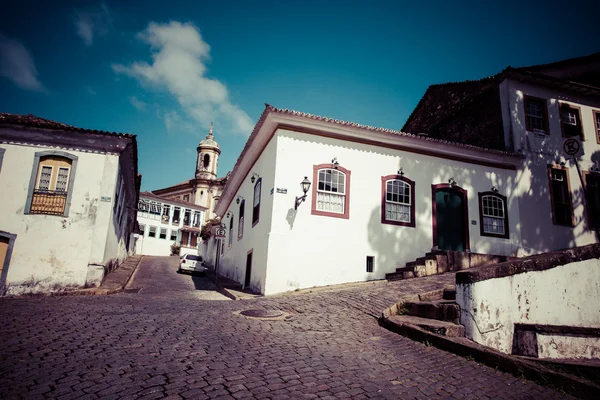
397,200
241,220
331,191
256,204
493,215
560,195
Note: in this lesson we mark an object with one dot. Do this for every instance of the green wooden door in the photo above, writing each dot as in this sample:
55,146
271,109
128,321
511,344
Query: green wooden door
450,219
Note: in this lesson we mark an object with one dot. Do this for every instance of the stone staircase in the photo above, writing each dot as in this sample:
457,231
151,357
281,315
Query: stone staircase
439,315
440,261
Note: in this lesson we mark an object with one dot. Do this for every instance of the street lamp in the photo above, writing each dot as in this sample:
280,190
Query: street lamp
305,185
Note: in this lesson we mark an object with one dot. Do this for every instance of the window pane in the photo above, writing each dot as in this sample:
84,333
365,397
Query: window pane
493,206
330,202
397,212
493,225
257,193
61,179
45,176
561,200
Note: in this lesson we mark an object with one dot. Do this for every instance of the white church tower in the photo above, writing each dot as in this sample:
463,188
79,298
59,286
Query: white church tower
208,157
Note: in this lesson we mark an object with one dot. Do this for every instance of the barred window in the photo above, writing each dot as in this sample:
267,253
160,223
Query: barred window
51,189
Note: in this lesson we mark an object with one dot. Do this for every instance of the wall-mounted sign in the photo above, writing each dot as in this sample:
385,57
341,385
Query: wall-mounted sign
105,198
281,190
571,146
220,233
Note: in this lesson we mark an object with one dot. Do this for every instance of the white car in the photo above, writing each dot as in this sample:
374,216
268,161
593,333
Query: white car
191,263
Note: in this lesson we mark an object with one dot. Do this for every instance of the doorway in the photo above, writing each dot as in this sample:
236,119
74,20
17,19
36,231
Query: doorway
7,241
450,216
248,269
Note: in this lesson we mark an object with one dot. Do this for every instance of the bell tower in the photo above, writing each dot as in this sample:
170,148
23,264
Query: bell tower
208,157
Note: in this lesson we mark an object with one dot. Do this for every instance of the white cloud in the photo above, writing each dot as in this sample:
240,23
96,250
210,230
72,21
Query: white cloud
137,103
17,65
179,56
175,123
92,23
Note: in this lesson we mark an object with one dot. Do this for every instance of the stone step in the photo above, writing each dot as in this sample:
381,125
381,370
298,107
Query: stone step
449,293
426,266
436,253
401,273
442,310
443,328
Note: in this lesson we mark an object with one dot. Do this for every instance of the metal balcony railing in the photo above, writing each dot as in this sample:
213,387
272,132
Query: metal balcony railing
48,202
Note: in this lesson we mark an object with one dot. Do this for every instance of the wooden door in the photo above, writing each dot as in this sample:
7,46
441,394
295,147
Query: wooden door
450,219
3,255
248,270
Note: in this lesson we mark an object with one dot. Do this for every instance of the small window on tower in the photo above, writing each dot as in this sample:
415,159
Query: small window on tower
206,160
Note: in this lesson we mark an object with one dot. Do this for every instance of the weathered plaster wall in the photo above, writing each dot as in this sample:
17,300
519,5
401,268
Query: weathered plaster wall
53,252
566,295
532,185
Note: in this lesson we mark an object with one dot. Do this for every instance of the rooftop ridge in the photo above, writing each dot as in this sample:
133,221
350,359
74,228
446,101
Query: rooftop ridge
383,130
33,121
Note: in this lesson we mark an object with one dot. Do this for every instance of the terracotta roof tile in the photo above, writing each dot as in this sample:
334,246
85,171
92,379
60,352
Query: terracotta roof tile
383,130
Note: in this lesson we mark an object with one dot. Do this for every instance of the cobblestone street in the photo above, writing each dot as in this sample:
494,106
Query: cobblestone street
178,338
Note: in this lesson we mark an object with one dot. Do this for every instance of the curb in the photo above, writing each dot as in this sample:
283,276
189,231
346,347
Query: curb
518,367
96,291
226,293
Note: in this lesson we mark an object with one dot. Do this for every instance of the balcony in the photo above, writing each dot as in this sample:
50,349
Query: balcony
50,202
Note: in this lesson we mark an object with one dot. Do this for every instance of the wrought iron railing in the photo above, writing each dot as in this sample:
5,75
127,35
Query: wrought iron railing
48,202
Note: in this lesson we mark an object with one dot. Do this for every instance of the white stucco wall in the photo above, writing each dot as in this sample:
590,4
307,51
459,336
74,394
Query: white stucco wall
307,250
565,295
532,185
336,249
53,252
256,239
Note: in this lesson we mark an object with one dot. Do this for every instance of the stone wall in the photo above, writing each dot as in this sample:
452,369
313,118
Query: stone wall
552,298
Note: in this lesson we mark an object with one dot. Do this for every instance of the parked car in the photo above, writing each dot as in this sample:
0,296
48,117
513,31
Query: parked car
191,263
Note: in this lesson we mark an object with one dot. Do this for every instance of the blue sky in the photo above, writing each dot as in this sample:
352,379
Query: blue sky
165,70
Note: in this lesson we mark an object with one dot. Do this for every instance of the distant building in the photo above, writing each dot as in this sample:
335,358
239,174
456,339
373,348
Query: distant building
67,205
205,188
163,222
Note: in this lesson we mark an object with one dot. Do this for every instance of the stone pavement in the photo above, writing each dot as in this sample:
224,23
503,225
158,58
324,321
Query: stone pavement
164,341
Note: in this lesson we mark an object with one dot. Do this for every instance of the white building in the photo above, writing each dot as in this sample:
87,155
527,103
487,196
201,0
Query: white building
68,203
204,189
165,221
533,111
378,199
485,177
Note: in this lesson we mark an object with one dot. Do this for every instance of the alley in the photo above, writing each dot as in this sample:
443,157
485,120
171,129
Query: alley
165,340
